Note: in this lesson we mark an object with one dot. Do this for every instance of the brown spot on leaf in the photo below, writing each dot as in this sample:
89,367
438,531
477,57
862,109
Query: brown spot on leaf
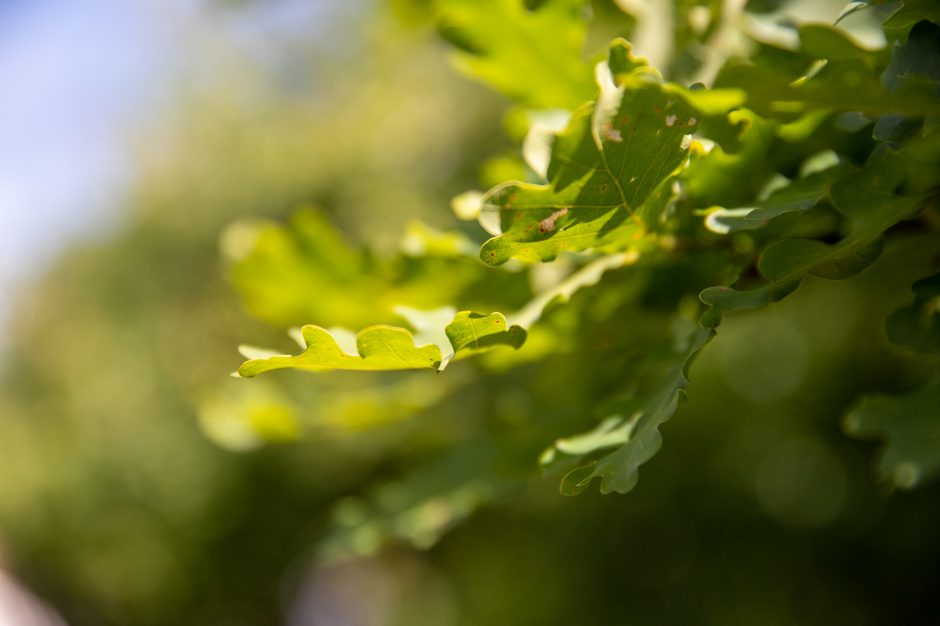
612,134
548,224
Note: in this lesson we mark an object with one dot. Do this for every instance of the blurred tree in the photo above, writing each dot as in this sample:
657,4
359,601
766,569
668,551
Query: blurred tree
112,503
409,498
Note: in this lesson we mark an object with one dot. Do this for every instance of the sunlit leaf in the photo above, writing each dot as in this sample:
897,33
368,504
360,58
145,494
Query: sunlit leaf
833,44
610,174
304,271
290,274
255,416
586,276
439,336
848,80
377,348
472,332
532,56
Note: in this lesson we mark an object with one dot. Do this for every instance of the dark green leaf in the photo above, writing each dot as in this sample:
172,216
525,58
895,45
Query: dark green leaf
910,425
800,195
908,14
867,199
917,326
623,442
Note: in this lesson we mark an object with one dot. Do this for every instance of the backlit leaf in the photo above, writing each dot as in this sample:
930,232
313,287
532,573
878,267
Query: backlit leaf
440,336
472,332
532,56
610,175
376,348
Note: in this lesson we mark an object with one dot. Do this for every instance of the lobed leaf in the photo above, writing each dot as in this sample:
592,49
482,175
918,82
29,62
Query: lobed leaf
917,326
845,78
797,197
909,13
532,56
388,348
376,348
729,178
610,176
472,332
616,448
289,274
915,65
910,425
866,197
420,507
276,267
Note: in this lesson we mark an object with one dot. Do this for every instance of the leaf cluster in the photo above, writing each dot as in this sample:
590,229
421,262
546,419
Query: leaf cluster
665,205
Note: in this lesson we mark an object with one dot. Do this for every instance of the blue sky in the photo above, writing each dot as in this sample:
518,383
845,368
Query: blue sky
75,78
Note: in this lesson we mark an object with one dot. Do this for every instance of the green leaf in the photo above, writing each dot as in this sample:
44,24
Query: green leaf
710,101
909,13
910,425
421,506
848,80
616,448
916,64
728,178
896,128
610,175
376,348
851,8
532,56
917,326
470,333
277,267
292,274
440,335
866,198
249,416
586,276
820,41
429,328
799,196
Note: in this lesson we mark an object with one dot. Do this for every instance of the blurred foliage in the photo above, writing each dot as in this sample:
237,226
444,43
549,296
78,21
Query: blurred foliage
412,497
